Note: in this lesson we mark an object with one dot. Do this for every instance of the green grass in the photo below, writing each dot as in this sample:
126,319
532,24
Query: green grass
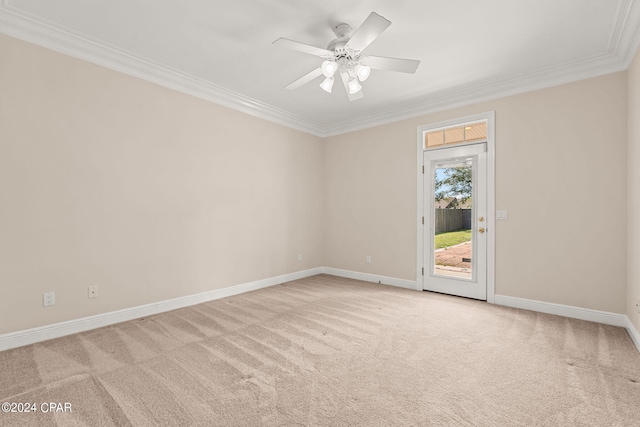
452,238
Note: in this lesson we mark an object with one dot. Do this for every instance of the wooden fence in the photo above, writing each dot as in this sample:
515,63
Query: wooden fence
452,220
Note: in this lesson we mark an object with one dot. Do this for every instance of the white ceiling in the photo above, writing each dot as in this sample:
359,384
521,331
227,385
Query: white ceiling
470,50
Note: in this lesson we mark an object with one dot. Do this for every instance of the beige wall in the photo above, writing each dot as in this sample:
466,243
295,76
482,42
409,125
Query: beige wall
151,194
633,193
560,173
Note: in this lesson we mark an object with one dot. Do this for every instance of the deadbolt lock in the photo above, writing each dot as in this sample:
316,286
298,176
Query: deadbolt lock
481,219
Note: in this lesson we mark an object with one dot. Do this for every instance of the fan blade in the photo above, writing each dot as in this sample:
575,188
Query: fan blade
305,79
392,64
304,48
345,82
370,29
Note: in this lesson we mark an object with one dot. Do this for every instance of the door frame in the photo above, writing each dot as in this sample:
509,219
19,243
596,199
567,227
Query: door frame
491,200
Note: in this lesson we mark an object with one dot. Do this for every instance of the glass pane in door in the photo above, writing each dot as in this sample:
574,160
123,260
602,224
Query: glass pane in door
452,216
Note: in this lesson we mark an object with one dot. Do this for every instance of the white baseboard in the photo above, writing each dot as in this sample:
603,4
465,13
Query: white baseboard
633,333
401,283
603,317
56,330
34,335
563,310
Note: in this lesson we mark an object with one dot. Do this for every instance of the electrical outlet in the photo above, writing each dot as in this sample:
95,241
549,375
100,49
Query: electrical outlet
299,257
49,299
368,260
93,291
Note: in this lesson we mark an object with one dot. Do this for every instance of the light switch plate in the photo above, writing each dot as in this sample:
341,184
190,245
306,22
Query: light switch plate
501,215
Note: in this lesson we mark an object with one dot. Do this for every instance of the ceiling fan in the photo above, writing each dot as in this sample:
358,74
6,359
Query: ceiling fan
344,56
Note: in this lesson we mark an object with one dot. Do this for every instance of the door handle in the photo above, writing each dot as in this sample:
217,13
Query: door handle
481,230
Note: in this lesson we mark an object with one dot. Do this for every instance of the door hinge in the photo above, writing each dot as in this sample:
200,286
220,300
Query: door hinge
422,220
423,271
422,168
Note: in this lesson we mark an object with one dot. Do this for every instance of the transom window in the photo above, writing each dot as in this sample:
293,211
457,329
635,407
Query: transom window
469,132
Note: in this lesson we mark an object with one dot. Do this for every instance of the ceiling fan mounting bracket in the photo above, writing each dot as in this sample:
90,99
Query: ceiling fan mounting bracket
342,30
343,35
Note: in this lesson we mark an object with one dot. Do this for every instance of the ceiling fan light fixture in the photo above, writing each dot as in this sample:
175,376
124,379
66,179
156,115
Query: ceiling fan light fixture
354,86
329,68
327,84
362,71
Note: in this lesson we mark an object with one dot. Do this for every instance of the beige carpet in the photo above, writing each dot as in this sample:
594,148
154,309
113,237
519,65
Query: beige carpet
328,351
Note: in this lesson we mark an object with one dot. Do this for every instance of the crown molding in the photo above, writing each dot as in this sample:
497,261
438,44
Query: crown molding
487,91
630,43
19,25
623,44
622,14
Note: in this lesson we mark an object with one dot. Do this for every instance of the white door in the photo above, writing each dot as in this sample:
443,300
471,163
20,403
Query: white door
455,226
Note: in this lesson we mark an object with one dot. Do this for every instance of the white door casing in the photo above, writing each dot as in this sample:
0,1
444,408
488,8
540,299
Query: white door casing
424,270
